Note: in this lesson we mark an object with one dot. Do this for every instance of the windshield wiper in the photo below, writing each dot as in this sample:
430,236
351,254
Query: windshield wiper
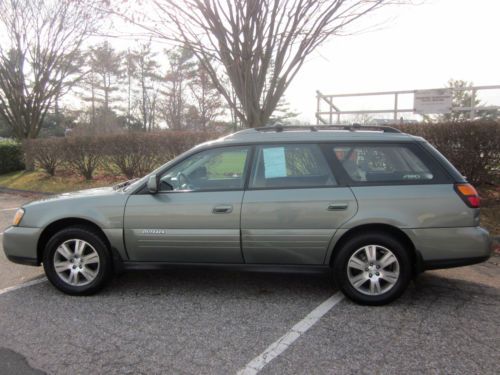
121,185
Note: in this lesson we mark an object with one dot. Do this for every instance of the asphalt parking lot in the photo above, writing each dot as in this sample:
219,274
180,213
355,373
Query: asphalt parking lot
218,322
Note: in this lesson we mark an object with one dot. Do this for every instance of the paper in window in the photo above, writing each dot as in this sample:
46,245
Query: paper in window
274,162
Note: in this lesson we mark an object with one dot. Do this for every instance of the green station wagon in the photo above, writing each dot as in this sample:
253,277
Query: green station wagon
371,205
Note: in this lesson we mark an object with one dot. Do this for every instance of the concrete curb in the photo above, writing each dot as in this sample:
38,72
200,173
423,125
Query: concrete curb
20,191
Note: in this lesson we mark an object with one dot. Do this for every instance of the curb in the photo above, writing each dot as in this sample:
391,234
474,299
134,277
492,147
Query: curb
20,191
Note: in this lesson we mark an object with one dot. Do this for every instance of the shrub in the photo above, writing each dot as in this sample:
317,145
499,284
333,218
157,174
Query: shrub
47,153
84,154
133,154
473,147
11,157
136,154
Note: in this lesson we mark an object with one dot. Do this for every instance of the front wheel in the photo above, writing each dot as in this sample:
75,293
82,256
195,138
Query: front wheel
77,261
372,269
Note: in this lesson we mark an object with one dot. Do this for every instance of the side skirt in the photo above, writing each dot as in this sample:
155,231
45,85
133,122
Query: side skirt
272,268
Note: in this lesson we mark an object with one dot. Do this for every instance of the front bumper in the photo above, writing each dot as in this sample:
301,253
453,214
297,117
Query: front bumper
20,245
450,247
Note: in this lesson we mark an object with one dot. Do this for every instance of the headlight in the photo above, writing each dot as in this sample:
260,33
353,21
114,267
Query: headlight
18,217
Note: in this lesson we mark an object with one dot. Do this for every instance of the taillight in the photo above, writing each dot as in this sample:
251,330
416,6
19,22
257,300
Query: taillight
468,194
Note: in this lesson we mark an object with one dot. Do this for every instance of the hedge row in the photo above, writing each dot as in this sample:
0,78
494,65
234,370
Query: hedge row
11,157
473,147
130,154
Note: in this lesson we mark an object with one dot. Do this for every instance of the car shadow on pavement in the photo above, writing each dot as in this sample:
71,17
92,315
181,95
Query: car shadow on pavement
196,281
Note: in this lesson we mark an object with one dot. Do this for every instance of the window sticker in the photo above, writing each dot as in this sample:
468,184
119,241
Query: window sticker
274,162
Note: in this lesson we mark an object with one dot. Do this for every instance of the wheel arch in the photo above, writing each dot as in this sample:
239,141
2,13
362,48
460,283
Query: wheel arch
57,225
388,229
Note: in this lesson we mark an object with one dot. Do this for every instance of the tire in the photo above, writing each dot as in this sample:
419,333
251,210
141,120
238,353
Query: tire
372,259
83,259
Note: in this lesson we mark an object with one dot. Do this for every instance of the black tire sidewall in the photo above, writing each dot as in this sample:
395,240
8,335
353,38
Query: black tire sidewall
92,238
354,244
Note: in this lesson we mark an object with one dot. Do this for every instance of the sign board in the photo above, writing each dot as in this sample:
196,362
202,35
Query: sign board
432,101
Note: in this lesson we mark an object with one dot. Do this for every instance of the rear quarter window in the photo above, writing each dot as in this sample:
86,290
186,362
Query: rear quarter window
385,163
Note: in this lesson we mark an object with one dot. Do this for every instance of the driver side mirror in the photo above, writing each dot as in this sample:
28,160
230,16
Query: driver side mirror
152,184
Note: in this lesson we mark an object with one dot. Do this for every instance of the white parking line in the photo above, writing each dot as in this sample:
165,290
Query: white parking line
9,209
24,285
280,345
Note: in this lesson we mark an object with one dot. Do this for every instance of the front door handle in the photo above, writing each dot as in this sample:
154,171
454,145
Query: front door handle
337,206
222,209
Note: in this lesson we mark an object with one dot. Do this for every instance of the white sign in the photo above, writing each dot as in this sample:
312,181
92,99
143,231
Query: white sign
274,162
433,101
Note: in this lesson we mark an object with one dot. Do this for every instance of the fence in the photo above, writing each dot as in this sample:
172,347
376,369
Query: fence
334,112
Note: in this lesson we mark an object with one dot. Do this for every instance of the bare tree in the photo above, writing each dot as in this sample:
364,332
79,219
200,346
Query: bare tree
208,100
39,57
245,36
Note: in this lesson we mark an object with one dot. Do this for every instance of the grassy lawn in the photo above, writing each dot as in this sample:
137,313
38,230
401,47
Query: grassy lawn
64,181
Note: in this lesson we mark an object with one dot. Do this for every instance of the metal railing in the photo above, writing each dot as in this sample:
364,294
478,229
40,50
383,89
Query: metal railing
334,112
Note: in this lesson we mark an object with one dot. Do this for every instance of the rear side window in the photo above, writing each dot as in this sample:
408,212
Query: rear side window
382,163
291,166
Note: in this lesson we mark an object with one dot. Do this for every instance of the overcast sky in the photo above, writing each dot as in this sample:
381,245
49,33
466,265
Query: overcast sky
422,47
413,47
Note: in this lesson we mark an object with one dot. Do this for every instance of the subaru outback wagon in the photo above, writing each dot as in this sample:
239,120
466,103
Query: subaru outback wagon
373,206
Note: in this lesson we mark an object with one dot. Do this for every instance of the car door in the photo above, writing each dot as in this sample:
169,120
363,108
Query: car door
195,216
293,206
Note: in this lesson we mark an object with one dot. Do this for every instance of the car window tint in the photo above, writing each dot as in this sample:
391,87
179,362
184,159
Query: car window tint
216,169
293,165
382,163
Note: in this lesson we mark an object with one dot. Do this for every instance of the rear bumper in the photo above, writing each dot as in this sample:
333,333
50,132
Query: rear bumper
20,245
450,263
450,247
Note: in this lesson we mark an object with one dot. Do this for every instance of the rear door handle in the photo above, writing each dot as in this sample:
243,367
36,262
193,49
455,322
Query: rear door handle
222,209
337,206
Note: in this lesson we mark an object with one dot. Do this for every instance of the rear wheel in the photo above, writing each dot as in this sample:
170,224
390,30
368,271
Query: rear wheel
77,261
372,269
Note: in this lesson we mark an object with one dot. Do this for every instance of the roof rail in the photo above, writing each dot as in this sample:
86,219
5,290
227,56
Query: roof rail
314,128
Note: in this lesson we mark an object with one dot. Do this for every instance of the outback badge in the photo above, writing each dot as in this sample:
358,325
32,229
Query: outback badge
154,231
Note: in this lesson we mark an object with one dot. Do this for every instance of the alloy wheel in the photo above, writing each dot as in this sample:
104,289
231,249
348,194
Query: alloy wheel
76,262
373,270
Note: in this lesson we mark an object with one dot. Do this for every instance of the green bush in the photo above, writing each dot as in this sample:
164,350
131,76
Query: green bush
11,157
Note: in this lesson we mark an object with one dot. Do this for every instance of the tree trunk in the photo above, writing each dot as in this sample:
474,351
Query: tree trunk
29,160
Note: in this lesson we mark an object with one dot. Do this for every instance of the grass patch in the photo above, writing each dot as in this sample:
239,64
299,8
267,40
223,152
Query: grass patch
64,181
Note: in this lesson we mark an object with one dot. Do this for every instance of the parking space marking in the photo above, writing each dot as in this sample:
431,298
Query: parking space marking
280,345
9,209
24,285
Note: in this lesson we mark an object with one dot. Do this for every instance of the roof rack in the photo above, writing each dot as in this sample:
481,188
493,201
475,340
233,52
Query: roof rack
314,128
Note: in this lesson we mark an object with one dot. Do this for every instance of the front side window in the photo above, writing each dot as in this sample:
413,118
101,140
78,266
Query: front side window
290,166
216,169
382,163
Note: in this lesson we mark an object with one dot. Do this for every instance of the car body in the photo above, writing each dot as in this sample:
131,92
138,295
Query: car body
274,198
